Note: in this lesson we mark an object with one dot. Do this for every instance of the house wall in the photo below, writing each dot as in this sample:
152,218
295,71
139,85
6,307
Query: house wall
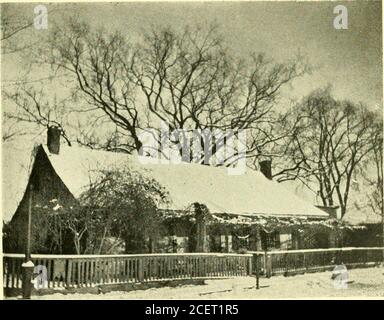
231,241
46,187
181,235
371,236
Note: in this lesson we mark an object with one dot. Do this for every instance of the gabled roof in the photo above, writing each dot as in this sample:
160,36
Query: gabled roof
248,194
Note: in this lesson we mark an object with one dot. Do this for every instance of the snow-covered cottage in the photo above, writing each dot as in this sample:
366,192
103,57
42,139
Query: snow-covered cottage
248,211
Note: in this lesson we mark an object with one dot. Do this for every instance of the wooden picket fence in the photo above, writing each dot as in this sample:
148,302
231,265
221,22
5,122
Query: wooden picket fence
68,271
77,271
313,260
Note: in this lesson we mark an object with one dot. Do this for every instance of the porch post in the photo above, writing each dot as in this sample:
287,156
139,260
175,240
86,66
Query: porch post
201,228
152,243
297,240
224,240
258,239
332,238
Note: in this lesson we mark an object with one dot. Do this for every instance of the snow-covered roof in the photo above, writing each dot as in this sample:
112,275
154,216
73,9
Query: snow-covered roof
15,170
361,216
248,194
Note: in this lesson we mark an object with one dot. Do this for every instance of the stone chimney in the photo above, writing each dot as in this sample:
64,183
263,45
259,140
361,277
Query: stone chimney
53,139
266,168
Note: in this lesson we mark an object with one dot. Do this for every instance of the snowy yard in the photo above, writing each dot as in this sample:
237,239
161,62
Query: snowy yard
367,282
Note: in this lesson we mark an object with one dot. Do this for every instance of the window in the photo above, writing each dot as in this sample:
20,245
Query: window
270,240
285,241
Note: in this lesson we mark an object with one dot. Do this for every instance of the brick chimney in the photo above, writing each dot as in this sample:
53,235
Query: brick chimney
266,168
53,139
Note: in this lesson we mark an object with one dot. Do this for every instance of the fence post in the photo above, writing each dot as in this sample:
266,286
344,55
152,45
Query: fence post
305,266
140,267
257,269
286,266
27,268
268,264
250,266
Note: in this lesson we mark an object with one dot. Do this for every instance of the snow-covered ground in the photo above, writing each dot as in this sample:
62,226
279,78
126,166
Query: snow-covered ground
362,283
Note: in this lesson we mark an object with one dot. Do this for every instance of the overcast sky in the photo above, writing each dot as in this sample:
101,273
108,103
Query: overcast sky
348,59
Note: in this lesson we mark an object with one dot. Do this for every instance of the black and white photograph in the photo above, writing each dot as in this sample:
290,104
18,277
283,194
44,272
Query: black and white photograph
197,150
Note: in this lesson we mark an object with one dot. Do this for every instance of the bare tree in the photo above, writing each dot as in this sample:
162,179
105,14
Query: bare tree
25,106
28,106
331,138
12,25
186,80
190,82
374,179
97,60
123,204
